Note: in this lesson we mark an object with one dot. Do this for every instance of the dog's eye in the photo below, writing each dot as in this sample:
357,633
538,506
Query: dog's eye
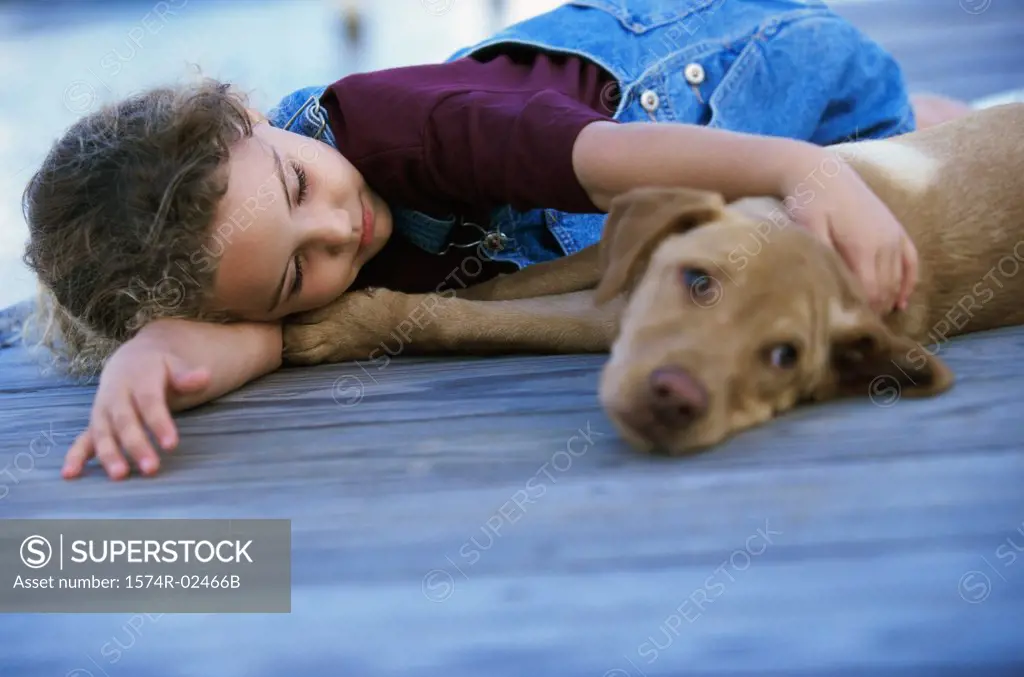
783,355
704,290
695,277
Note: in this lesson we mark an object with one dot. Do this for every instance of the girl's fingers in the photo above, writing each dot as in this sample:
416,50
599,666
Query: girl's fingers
886,282
910,264
107,450
876,294
133,438
126,426
78,455
869,273
156,416
893,280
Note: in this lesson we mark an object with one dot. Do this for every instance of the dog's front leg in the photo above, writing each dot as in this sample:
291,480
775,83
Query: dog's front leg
359,325
349,328
559,323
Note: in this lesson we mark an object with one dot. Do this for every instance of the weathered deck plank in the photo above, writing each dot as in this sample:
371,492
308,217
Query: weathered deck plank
870,516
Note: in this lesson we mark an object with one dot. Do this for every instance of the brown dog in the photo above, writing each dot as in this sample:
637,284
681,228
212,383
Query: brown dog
729,324
719,317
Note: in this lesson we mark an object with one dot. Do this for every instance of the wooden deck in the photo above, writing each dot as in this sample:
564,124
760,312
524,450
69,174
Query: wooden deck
845,539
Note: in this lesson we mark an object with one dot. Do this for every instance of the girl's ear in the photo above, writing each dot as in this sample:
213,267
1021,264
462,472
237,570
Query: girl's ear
255,116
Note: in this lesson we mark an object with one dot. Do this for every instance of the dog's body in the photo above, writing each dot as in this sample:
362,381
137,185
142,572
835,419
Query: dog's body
958,189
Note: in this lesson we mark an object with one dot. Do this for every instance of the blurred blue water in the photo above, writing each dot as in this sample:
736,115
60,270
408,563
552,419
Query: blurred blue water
60,59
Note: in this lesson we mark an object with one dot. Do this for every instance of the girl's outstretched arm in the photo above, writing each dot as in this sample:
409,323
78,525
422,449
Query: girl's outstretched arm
611,158
168,366
818,189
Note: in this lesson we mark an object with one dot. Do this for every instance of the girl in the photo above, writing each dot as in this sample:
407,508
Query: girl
173,231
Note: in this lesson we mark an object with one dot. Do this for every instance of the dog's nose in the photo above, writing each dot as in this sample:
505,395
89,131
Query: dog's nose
676,398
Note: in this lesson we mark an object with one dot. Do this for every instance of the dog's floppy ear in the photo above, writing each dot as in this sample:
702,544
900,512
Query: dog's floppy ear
867,359
638,221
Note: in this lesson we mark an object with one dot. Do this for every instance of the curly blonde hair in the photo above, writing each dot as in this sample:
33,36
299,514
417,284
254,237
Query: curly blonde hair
119,217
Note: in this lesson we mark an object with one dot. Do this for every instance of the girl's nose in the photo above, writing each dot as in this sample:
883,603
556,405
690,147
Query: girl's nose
335,231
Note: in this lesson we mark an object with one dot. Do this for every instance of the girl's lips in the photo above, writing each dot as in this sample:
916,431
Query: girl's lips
366,237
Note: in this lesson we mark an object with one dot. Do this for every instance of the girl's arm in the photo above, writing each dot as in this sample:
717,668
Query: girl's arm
834,202
233,353
168,366
612,158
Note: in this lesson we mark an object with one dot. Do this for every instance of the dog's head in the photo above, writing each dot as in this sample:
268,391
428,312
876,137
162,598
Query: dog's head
734,314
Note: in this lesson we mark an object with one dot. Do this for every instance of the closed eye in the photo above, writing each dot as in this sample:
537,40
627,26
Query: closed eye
303,181
300,196
297,281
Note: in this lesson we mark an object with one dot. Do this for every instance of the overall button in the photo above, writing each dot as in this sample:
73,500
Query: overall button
495,241
694,73
649,100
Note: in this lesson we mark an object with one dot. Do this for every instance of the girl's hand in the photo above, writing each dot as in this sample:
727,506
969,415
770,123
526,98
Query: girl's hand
136,385
843,211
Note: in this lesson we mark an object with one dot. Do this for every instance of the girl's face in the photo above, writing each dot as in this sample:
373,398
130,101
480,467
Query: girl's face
294,228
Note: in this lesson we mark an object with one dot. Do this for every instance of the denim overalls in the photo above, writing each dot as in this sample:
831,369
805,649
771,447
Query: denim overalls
786,68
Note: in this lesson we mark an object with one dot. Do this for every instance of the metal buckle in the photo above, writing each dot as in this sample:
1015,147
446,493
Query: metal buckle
494,240
467,245
316,112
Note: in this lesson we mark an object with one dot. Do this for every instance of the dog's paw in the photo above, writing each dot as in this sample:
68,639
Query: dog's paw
306,344
349,328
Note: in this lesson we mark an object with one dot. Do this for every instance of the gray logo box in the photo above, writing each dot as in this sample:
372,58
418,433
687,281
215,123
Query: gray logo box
146,566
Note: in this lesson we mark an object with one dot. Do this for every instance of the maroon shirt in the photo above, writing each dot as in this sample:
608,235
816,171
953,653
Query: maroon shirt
462,138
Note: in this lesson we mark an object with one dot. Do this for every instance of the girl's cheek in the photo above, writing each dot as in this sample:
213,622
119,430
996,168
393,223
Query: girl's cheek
332,283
